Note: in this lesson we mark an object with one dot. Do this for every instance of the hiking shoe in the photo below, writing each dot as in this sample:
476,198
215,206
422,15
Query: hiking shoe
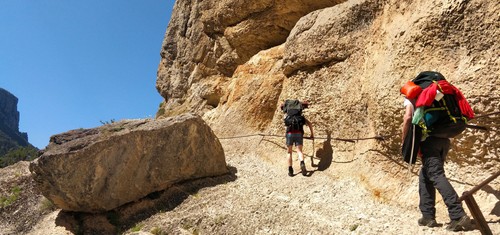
290,171
303,168
461,224
427,222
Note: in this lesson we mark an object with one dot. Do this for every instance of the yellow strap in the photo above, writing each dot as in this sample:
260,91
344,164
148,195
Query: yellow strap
444,104
434,109
425,131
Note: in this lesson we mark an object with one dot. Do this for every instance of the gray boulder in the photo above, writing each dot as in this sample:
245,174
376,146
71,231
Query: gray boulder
96,170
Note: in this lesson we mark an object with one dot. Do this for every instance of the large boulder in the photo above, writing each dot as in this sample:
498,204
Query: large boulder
96,170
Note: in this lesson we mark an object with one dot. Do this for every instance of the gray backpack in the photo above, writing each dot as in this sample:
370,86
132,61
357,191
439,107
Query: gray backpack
294,119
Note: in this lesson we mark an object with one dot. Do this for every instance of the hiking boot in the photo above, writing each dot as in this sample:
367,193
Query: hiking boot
461,224
290,171
429,222
303,168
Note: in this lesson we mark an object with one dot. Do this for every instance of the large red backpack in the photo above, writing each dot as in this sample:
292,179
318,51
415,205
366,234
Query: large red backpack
441,111
445,109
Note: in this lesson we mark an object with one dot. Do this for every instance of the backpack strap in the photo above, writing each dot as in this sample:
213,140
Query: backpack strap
454,119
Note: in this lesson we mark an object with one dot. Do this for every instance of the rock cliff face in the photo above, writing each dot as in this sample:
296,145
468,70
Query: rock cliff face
9,116
235,62
207,40
10,137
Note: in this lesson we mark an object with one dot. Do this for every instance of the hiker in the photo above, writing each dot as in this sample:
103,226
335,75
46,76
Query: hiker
294,122
432,176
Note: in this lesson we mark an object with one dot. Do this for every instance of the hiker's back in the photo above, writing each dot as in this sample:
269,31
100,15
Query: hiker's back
294,120
442,111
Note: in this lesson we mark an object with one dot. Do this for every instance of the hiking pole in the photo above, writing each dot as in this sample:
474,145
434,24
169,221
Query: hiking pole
314,152
486,115
412,152
312,156
484,128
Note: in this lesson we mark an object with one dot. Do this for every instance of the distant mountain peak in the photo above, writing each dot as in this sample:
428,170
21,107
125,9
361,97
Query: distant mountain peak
10,136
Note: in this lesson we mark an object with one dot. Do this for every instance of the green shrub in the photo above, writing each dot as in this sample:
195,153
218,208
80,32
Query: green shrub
19,154
8,200
137,228
46,205
107,122
158,231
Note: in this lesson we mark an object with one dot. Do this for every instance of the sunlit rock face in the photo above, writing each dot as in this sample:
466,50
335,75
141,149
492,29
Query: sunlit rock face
349,59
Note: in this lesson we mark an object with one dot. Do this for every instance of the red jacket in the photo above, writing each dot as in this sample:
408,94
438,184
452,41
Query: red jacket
428,94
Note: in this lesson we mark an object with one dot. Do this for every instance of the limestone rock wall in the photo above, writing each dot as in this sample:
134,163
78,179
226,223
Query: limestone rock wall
349,60
206,41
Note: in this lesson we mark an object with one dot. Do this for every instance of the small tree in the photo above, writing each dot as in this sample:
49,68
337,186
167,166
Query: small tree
27,153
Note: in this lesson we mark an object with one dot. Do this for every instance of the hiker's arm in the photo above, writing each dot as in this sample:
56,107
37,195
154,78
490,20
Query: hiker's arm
406,121
309,124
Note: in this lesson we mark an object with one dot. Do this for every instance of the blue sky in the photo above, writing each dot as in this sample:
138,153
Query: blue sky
74,64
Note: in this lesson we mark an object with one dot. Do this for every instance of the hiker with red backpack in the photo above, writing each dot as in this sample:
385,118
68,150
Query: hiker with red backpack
435,111
294,122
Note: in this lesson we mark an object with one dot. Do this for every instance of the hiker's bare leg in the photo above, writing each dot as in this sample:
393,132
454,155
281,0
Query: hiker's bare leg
290,152
299,152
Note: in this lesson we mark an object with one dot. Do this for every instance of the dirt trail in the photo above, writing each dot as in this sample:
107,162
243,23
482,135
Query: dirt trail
263,199
258,197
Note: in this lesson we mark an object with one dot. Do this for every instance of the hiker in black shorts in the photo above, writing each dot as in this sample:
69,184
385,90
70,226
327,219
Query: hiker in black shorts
294,122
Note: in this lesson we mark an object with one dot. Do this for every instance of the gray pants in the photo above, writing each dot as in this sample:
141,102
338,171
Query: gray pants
432,177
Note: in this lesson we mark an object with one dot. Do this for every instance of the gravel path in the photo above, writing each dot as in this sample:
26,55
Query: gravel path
257,198
262,199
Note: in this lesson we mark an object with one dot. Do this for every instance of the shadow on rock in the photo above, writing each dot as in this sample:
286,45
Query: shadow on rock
496,193
325,154
128,215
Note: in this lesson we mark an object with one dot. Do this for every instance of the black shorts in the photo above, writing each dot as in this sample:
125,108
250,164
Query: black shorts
294,138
